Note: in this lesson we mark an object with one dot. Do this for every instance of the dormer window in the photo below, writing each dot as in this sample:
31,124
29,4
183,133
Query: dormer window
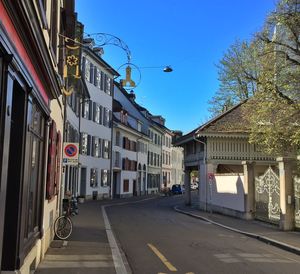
124,117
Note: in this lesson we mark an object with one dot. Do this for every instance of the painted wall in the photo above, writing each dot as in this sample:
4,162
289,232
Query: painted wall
227,191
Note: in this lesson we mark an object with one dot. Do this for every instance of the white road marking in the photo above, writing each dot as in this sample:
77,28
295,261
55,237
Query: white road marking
116,254
251,257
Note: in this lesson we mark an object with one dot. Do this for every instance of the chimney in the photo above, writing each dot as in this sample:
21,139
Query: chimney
98,50
89,42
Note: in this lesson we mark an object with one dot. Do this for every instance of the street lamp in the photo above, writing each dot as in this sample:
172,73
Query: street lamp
101,39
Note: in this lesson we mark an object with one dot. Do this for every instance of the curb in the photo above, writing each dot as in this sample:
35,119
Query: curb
264,239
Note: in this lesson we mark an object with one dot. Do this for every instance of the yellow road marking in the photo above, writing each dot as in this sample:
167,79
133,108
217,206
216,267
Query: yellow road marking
162,258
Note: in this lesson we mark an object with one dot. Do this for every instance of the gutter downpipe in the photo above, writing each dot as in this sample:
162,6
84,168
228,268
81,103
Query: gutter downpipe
205,168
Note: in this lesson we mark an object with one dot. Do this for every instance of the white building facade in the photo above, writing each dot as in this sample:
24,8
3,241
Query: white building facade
96,127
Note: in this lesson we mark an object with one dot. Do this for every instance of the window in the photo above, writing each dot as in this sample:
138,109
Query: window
105,117
87,69
106,149
117,159
126,186
108,86
86,110
98,79
91,73
35,137
102,81
84,143
96,113
94,177
53,28
105,177
124,117
139,126
118,138
96,147
42,5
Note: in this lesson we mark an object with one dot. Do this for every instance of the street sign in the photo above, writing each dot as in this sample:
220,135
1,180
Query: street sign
70,154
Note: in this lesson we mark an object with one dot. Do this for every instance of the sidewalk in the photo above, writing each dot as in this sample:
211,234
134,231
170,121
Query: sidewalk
268,233
86,251
89,248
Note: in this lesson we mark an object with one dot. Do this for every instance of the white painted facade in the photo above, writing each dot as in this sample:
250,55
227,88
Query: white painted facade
155,159
167,160
129,160
96,128
177,176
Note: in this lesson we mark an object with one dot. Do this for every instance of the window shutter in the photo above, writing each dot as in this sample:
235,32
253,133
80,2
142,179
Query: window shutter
105,83
108,177
103,148
104,116
111,86
80,143
123,163
110,118
90,110
50,188
82,109
99,147
109,149
83,65
93,146
101,116
102,80
88,145
94,111
101,174
91,73
58,162
95,76
124,142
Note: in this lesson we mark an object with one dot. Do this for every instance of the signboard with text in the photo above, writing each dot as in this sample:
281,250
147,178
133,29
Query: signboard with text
70,154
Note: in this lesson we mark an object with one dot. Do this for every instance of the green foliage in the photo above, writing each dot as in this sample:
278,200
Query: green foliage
267,70
237,75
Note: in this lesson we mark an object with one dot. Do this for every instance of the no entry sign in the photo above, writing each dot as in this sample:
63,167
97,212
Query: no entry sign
70,153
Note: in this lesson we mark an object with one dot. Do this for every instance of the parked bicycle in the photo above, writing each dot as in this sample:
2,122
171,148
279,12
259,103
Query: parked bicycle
63,225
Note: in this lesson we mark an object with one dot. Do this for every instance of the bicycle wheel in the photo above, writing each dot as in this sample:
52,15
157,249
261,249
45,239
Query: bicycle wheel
63,227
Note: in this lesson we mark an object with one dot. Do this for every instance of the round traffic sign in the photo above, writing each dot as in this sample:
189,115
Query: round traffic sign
70,150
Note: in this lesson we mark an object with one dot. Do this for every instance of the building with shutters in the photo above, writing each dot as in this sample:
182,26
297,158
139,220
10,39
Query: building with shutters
96,126
130,147
31,127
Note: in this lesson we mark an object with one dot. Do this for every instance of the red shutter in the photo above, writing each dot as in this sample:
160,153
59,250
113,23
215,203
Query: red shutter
50,188
58,162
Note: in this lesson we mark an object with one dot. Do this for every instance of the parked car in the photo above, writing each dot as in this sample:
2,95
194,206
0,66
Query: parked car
177,189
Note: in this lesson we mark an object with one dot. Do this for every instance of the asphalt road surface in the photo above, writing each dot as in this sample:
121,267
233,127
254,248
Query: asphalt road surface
156,239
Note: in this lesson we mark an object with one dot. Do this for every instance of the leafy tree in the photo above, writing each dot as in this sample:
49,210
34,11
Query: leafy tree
274,111
238,73
267,70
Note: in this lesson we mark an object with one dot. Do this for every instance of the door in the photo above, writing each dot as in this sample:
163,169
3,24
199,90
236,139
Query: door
134,188
83,181
5,121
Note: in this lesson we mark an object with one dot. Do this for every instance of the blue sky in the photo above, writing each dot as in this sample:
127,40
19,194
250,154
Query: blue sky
190,35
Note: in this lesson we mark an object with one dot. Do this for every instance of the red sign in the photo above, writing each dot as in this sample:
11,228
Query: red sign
70,150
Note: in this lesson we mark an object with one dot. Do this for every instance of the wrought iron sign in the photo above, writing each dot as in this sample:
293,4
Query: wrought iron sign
102,39
71,73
